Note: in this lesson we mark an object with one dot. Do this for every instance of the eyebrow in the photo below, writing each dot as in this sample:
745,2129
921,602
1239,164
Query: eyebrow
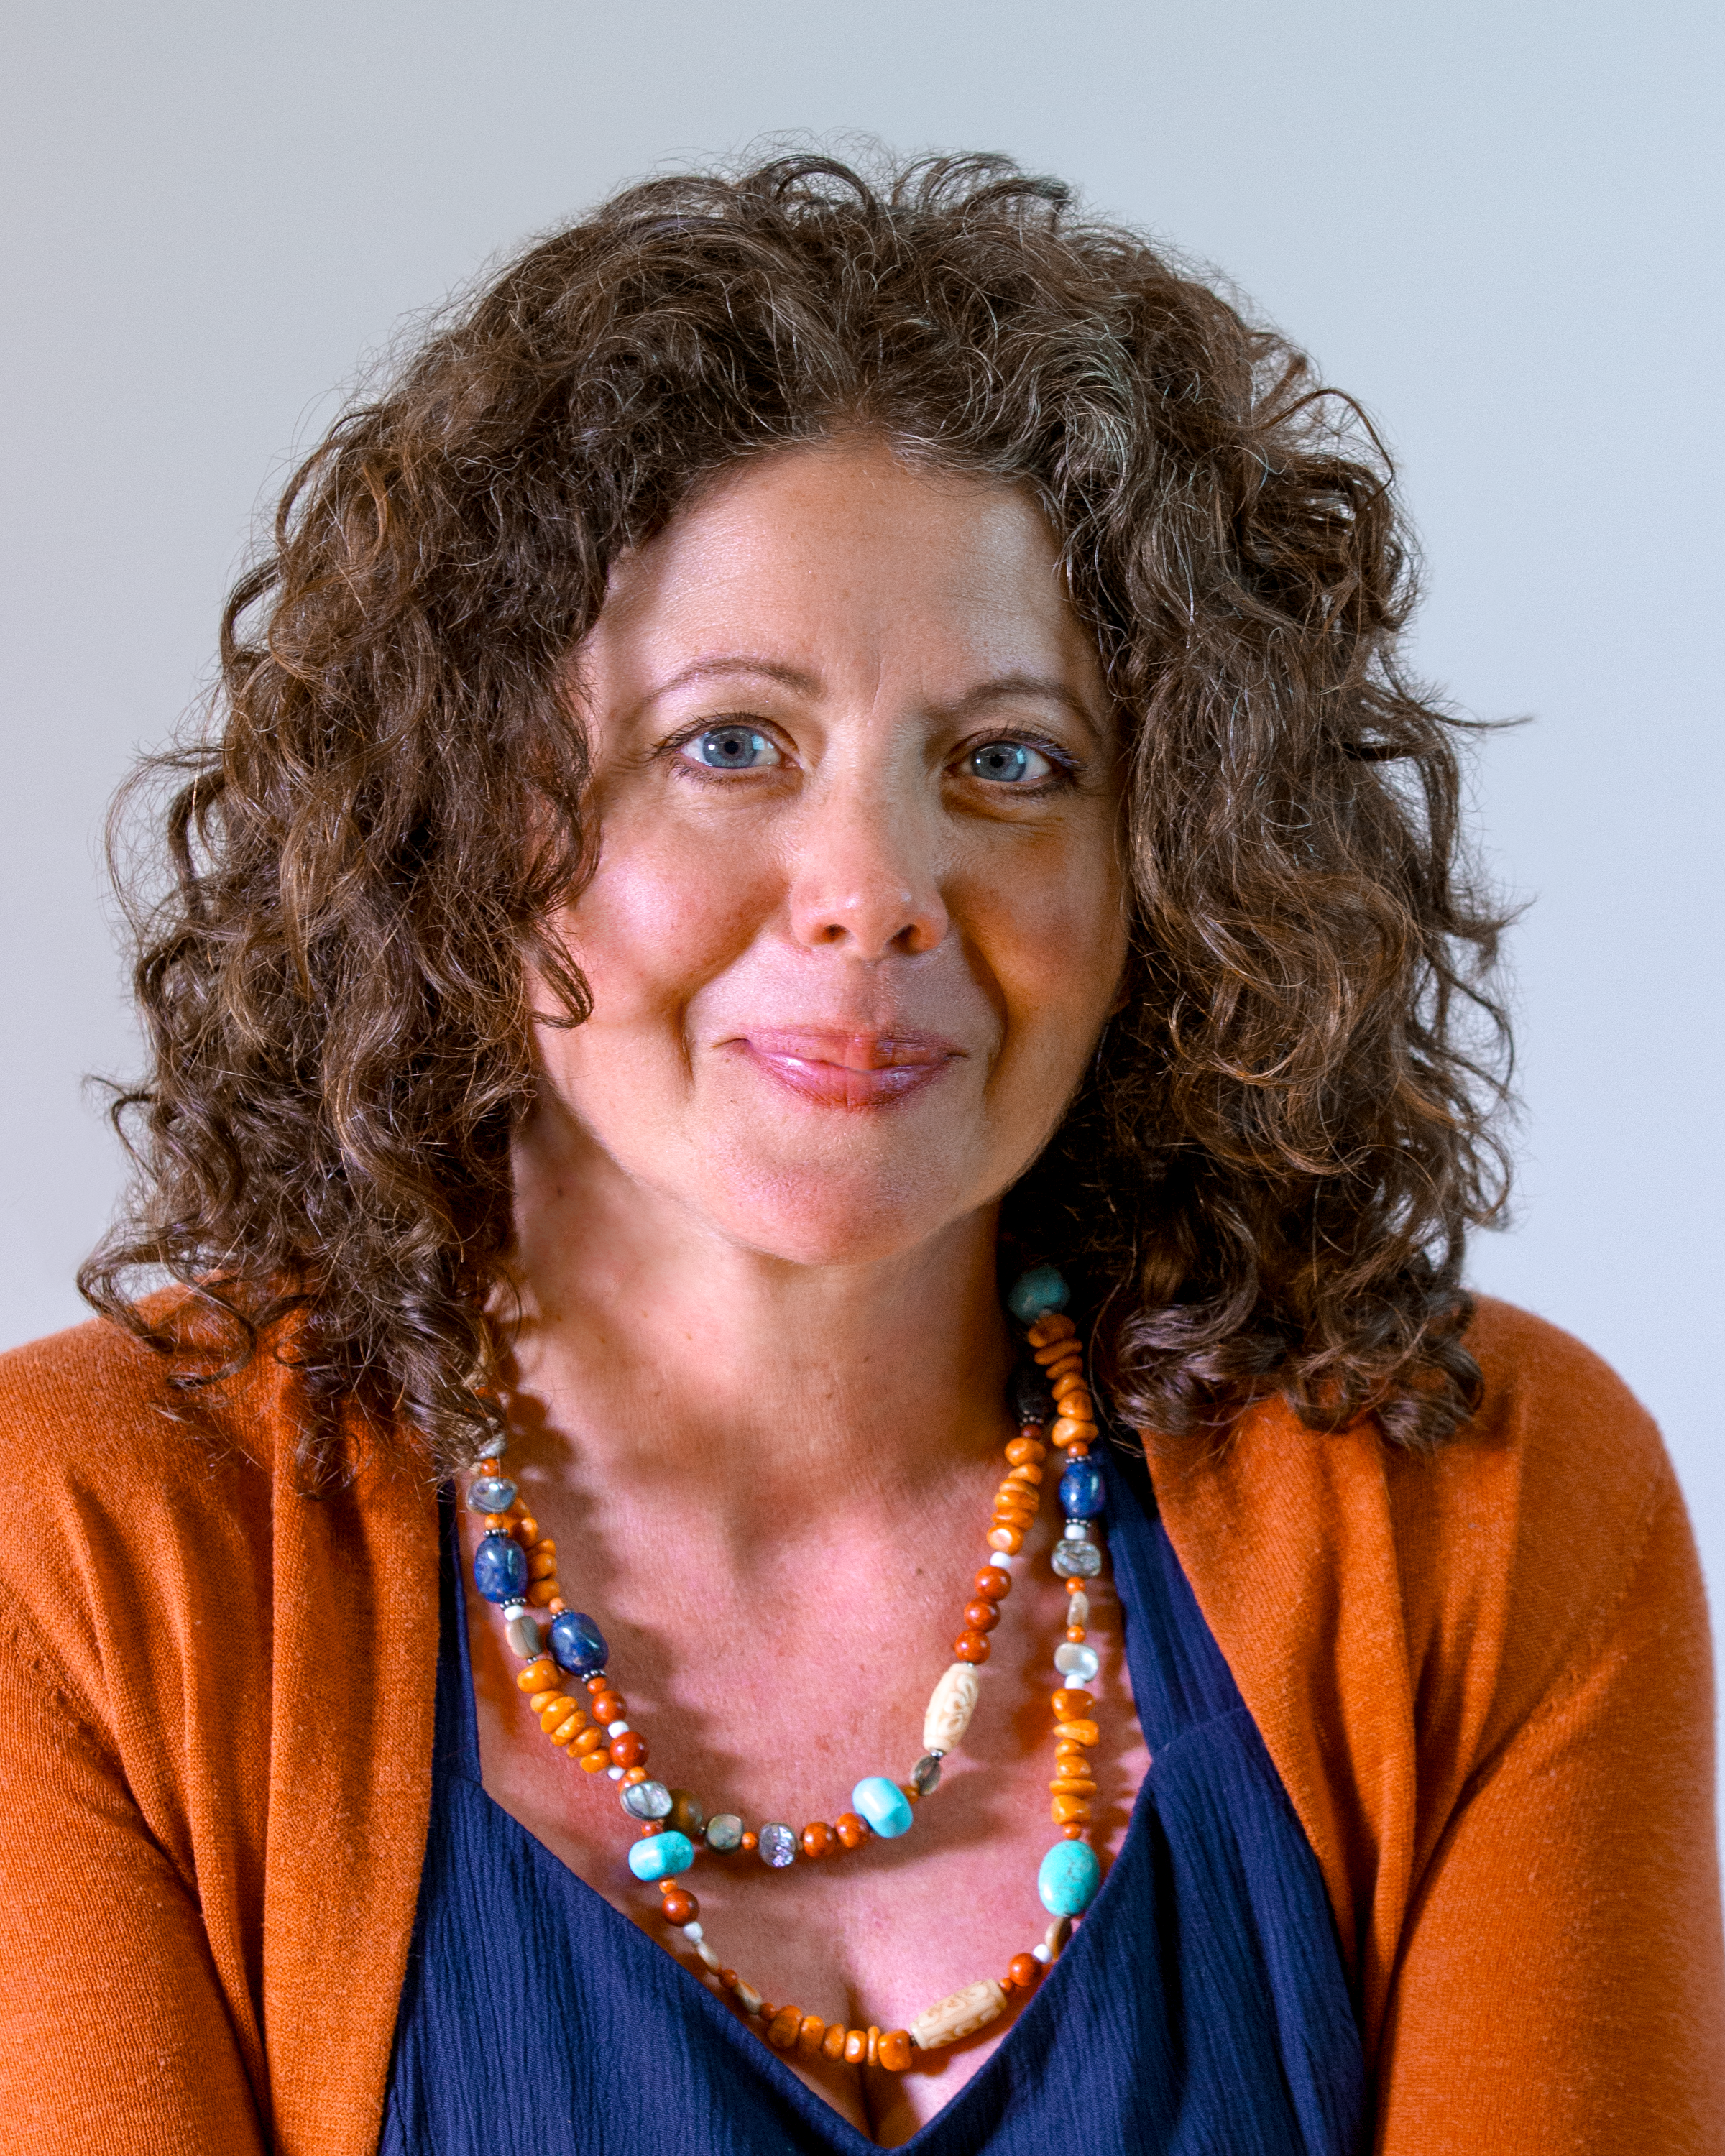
711,670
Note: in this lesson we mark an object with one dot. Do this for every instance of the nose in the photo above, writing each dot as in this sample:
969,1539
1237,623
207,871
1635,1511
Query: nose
866,877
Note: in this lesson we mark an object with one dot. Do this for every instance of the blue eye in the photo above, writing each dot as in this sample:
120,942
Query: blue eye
731,748
1009,763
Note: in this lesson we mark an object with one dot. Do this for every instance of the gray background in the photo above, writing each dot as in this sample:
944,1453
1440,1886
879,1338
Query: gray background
1495,225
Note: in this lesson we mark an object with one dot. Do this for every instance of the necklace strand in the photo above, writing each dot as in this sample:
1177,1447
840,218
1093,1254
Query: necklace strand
516,1566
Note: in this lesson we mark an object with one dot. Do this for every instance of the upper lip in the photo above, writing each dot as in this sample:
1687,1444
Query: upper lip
853,1048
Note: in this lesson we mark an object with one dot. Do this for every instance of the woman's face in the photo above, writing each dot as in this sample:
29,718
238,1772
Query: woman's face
858,915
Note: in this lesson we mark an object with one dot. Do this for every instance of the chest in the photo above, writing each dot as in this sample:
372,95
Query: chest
767,1680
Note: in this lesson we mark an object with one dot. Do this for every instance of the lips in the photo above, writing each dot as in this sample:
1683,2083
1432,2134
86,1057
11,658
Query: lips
850,1070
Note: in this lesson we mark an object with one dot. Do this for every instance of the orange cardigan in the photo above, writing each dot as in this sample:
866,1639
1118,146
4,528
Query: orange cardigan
1484,1679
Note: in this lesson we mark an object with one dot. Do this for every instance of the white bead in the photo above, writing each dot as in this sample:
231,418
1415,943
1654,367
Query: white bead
950,1707
614,1773
1003,1558
961,2014
693,1931
1075,1664
1040,1953
511,1611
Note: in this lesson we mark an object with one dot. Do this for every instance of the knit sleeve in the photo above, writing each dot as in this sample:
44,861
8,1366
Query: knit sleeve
1559,1986
110,2014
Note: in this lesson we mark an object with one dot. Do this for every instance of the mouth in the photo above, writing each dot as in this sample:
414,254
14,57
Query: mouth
850,1070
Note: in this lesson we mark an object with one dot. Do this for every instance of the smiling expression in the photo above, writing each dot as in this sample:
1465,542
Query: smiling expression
857,917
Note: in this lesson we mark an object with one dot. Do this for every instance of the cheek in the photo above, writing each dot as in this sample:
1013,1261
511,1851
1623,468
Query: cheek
662,914
1060,944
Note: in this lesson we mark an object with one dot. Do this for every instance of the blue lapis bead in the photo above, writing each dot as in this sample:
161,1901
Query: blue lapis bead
1035,1293
490,1493
499,1567
660,1856
1081,1489
883,1805
1068,1878
578,1643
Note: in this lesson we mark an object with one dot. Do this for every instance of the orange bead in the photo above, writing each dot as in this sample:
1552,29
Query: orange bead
609,1706
819,1839
539,1567
542,1593
628,1750
554,1603
1073,1832
782,2030
540,1676
856,2047
495,1522
750,1841
592,1740
1029,1478
1074,1633
1065,1384
570,1727
680,1907
1052,1325
971,1647
832,2045
1079,1732
1023,1970
874,2043
527,1532
1068,1706
994,1582
1025,1452
981,1616
893,2050
810,2032
1064,1809
1073,1786
1067,1432
1007,1540
635,1774
852,1829
591,1761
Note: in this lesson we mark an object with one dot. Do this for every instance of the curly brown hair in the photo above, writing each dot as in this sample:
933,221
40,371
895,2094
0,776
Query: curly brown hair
1265,1180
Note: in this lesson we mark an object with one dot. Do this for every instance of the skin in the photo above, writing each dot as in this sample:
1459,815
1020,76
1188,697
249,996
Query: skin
857,921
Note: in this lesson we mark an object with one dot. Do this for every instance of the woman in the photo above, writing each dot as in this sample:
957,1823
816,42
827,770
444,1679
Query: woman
822,756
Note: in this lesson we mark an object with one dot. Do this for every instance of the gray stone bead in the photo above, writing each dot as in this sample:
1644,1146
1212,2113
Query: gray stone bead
1076,1560
490,1493
646,1800
724,1832
777,1845
524,1638
926,1774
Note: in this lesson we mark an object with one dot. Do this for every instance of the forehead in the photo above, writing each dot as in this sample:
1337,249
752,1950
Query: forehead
844,555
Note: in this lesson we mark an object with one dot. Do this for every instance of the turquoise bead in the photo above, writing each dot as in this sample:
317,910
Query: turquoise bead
1035,1293
1068,1880
660,1856
883,1805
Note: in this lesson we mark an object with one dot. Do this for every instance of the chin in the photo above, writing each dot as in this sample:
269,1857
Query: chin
827,1217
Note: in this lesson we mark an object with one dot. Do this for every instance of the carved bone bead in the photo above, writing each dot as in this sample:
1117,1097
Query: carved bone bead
961,2015
950,1707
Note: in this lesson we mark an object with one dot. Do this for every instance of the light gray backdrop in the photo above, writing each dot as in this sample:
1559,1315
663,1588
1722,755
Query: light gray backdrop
1495,225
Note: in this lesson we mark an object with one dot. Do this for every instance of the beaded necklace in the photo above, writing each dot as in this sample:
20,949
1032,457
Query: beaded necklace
516,1566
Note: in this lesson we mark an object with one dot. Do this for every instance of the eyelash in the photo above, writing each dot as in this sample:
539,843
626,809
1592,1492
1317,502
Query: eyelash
1064,774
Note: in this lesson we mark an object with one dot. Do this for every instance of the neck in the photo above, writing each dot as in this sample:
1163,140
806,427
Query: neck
660,1349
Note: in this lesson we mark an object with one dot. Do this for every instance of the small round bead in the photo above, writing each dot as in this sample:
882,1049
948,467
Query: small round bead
629,1749
856,2047
1075,1830
852,1829
1078,1663
1024,1969
971,1647
750,1842
819,1839
782,2030
777,1843
980,1616
680,1907
1025,1452
832,2045
992,1583
892,2050
608,1706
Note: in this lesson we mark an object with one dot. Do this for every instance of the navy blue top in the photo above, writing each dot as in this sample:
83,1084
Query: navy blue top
1200,2008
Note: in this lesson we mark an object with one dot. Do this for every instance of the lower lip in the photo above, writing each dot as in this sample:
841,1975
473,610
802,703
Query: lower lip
834,1086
